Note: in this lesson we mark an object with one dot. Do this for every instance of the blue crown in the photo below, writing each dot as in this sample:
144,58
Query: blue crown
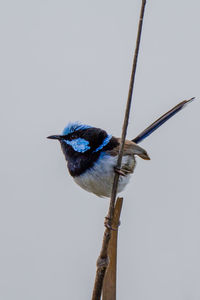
75,126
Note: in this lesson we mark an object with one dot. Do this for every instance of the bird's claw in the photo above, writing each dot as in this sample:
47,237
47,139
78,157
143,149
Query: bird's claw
119,171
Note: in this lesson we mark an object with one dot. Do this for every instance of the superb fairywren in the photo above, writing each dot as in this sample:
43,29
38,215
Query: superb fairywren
91,154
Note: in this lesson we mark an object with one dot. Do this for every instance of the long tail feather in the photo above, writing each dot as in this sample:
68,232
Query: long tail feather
150,129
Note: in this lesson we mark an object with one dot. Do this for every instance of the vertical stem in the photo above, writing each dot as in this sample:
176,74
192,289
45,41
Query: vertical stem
102,261
127,112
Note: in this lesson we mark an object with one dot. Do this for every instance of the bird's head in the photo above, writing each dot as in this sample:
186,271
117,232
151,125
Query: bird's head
72,137
77,138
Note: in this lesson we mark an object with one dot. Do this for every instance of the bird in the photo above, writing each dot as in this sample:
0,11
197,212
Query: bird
91,154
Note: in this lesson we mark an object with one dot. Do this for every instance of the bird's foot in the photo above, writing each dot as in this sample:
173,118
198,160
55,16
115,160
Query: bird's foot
119,171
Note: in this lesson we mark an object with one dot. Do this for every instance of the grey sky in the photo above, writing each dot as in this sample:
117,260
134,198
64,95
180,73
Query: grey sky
64,61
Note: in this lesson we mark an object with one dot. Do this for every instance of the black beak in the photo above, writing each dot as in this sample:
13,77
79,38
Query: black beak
54,137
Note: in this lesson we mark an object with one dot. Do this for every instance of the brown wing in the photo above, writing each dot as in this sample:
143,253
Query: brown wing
130,148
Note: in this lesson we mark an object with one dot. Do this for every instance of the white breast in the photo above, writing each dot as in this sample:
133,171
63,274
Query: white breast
99,178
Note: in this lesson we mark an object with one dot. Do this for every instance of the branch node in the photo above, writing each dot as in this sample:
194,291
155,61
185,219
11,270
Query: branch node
102,262
108,224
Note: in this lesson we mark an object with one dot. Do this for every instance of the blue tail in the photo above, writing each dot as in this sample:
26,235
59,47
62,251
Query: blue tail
150,129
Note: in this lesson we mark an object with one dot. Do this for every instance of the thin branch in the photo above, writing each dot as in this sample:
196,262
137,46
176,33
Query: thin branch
103,260
127,112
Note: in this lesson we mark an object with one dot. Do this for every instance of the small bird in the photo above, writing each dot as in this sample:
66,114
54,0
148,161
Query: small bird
91,154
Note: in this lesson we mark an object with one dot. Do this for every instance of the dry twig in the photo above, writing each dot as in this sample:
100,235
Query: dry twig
103,260
109,283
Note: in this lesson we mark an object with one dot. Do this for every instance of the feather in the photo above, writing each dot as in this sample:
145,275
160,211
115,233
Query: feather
130,148
73,127
155,125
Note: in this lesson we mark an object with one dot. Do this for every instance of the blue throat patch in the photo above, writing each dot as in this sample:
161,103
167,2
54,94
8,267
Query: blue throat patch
104,143
79,145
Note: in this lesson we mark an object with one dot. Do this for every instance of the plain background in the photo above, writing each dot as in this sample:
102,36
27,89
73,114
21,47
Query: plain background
65,61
